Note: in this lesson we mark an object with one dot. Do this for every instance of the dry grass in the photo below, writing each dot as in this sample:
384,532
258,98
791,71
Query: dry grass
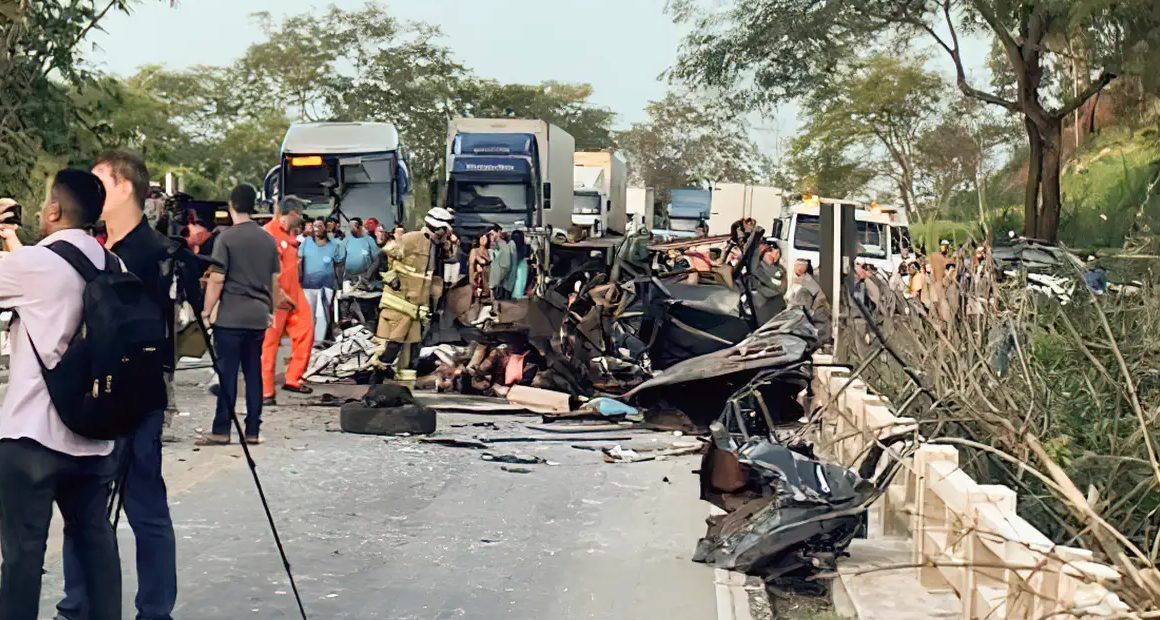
1067,392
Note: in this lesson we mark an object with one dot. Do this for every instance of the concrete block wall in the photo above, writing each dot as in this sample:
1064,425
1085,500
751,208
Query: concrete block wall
967,538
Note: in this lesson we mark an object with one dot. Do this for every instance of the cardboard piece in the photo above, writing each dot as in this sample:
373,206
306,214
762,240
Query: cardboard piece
539,400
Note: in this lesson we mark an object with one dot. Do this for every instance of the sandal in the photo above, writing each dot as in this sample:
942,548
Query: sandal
212,440
254,441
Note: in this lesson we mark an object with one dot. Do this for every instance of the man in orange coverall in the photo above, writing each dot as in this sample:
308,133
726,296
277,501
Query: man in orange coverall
292,317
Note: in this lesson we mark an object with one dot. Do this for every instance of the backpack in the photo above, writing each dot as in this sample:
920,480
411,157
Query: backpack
111,376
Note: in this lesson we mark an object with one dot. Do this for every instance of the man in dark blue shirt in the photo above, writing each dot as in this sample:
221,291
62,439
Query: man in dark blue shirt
145,253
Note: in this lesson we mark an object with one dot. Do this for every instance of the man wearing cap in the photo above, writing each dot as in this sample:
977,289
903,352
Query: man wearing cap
292,312
410,284
768,282
42,462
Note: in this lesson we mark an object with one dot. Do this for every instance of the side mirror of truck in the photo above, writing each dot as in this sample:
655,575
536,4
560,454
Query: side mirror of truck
778,226
547,195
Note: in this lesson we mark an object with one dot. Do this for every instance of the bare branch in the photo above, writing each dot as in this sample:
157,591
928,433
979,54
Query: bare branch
1087,93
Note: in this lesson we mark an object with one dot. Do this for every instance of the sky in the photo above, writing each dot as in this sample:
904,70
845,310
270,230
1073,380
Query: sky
621,47
618,46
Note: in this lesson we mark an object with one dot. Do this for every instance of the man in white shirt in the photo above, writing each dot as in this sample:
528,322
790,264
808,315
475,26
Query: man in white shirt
41,460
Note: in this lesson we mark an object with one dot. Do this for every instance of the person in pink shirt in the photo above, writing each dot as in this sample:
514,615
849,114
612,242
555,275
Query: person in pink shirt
42,462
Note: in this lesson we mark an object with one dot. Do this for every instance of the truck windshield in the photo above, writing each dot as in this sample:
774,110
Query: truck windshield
899,238
871,240
491,197
586,204
808,236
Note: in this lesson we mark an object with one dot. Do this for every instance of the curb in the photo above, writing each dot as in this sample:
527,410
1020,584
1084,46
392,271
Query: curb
732,598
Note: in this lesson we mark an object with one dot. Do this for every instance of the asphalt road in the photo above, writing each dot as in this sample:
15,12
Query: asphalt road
379,528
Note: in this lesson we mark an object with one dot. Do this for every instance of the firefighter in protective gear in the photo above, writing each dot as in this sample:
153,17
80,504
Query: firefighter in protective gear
411,285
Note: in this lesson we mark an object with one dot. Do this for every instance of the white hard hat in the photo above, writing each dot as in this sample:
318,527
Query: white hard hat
439,217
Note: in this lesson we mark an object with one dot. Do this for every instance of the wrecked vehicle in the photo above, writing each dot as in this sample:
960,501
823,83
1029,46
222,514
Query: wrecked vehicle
779,351
789,514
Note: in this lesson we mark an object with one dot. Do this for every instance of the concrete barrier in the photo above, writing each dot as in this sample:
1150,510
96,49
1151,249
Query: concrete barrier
966,538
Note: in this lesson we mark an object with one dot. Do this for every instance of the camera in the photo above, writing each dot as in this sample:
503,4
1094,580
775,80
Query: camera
10,212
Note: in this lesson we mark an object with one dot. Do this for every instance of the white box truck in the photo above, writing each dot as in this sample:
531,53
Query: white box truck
735,201
511,172
600,192
641,208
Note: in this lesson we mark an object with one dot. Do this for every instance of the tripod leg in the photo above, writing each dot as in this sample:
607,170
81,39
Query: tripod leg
254,474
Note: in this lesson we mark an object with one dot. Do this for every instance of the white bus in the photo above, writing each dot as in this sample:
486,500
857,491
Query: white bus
355,167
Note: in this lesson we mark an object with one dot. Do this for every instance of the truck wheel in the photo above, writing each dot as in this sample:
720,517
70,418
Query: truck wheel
414,419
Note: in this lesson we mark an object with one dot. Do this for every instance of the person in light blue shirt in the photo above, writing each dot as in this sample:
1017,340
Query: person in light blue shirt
322,262
517,281
360,248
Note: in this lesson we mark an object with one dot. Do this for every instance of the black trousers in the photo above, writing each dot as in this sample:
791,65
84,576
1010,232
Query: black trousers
32,477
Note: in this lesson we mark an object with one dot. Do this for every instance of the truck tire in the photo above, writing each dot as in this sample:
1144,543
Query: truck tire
414,419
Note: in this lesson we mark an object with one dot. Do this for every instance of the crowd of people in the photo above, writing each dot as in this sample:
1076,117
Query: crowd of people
253,286
945,284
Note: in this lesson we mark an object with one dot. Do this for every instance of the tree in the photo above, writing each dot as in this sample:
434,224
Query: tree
832,166
882,105
565,105
399,75
771,50
40,60
687,140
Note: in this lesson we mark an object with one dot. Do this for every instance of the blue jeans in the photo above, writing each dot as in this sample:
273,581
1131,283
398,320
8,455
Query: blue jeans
147,510
238,349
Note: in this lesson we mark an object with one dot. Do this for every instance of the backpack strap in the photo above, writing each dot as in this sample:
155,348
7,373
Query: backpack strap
81,263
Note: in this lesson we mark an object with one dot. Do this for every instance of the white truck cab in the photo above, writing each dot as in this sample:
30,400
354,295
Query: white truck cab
600,191
800,232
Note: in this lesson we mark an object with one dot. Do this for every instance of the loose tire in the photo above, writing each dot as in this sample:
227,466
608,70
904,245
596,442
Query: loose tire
414,419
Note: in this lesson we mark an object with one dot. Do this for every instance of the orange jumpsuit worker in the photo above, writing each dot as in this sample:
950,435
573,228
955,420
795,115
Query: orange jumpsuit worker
292,317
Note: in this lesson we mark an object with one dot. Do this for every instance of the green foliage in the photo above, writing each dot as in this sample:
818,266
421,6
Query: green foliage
1103,189
222,125
929,233
565,105
687,140
866,123
763,52
40,63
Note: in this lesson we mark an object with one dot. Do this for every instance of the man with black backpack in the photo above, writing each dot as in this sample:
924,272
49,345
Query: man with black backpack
43,459
146,254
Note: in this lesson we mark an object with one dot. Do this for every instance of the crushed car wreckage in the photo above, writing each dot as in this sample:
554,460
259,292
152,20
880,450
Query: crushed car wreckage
632,338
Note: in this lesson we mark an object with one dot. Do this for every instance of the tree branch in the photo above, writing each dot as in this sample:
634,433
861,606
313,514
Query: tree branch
83,33
997,27
960,71
1089,92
